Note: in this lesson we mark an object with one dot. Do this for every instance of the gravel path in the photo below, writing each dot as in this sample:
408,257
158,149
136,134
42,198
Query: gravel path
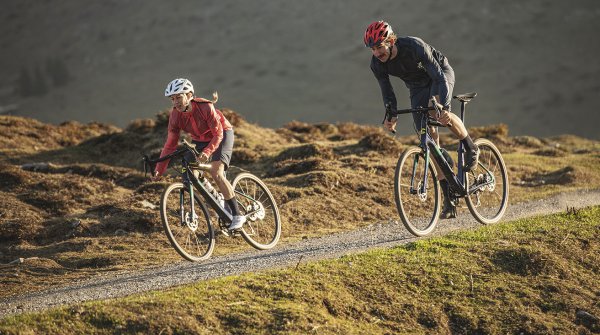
332,246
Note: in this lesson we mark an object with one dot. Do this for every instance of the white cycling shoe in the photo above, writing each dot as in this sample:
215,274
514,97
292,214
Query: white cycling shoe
237,222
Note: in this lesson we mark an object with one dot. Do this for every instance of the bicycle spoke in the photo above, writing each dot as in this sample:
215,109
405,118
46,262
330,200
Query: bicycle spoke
194,239
262,228
488,202
417,210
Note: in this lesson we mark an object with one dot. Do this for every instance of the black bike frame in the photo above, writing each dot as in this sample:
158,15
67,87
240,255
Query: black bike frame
195,182
428,145
214,204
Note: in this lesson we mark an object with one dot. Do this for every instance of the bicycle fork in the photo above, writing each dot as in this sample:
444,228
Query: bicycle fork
421,189
189,219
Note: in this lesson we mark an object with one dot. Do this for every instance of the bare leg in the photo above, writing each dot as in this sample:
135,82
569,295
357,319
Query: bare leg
217,173
457,127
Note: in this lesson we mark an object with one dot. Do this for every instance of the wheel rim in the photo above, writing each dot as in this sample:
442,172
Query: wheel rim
192,237
418,210
262,228
490,182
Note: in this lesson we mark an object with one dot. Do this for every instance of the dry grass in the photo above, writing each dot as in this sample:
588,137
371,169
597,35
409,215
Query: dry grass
72,208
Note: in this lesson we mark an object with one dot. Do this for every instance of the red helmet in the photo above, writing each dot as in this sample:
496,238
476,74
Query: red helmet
376,33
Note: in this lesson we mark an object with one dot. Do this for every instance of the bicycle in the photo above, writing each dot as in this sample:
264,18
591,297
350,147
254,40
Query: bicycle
193,236
416,187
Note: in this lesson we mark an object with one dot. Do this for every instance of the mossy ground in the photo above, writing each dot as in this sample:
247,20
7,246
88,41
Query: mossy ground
532,276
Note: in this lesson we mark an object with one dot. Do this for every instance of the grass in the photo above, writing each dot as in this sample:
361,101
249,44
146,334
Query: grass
531,276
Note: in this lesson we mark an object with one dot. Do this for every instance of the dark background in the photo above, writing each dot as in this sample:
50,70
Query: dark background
534,63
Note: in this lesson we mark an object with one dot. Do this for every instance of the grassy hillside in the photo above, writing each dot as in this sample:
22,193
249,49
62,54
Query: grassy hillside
74,201
533,63
533,276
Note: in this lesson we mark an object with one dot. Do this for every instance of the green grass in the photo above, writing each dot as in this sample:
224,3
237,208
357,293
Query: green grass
563,174
529,276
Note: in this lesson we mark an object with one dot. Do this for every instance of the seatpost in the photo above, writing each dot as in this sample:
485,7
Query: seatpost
463,107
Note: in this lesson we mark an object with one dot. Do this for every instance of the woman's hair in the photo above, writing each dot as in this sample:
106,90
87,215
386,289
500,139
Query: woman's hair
391,37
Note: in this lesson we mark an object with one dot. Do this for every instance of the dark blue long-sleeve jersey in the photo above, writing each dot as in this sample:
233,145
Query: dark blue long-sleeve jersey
418,64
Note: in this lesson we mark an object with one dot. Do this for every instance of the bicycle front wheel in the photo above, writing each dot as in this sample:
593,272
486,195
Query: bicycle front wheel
263,226
189,232
417,198
488,184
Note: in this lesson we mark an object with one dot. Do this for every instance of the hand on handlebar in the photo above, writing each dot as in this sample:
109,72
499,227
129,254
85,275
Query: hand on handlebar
440,114
155,176
444,118
203,158
391,124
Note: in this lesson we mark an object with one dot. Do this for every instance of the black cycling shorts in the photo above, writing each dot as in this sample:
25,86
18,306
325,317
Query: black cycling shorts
223,152
419,97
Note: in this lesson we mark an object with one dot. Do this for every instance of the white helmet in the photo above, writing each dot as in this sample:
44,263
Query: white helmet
179,85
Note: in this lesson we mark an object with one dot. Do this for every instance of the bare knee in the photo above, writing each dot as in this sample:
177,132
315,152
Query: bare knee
217,174
435,135
433,131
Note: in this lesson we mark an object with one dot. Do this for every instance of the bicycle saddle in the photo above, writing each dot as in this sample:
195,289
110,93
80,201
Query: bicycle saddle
465,97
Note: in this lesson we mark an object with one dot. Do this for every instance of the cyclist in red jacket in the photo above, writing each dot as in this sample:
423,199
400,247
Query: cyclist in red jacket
426,73
210,131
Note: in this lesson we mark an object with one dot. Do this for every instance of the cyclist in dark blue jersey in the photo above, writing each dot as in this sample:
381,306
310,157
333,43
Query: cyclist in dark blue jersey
426,73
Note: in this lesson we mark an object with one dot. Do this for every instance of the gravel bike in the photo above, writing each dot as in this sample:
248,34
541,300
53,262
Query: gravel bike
186,218
416,186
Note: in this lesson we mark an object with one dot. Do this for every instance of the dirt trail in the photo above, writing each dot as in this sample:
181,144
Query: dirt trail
384,234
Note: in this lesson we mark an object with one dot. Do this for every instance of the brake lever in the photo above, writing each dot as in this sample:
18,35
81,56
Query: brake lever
388,116
145,161
439,111
434,103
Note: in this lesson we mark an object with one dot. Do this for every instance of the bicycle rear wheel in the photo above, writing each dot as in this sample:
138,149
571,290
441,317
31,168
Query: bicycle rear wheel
263,226
190,233
418,207
488,185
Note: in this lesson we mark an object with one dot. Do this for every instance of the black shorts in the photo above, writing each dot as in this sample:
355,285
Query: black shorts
419,97
223,152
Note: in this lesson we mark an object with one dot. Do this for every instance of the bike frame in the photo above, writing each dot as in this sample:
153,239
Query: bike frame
457,182
430,147
194,183
214,204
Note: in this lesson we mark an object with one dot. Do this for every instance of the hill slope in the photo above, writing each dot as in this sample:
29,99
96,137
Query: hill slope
533,64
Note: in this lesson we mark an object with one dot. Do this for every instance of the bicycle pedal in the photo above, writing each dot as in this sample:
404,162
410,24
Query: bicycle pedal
225,232
449,213
235,233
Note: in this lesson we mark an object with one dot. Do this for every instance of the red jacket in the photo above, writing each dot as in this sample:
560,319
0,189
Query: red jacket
204,123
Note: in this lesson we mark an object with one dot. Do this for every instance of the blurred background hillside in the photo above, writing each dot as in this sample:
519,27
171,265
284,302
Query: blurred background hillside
534,63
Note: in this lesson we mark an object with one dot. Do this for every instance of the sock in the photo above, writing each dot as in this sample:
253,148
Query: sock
444,186
233,206
468,143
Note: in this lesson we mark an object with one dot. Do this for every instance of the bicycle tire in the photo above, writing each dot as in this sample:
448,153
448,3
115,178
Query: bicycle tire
262,229
494,196
193,240
419,212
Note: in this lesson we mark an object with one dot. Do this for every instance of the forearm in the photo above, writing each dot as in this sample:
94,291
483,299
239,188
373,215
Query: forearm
170,147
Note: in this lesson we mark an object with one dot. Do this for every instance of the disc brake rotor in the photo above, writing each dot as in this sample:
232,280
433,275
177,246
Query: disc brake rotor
192,223
258,209
422,195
